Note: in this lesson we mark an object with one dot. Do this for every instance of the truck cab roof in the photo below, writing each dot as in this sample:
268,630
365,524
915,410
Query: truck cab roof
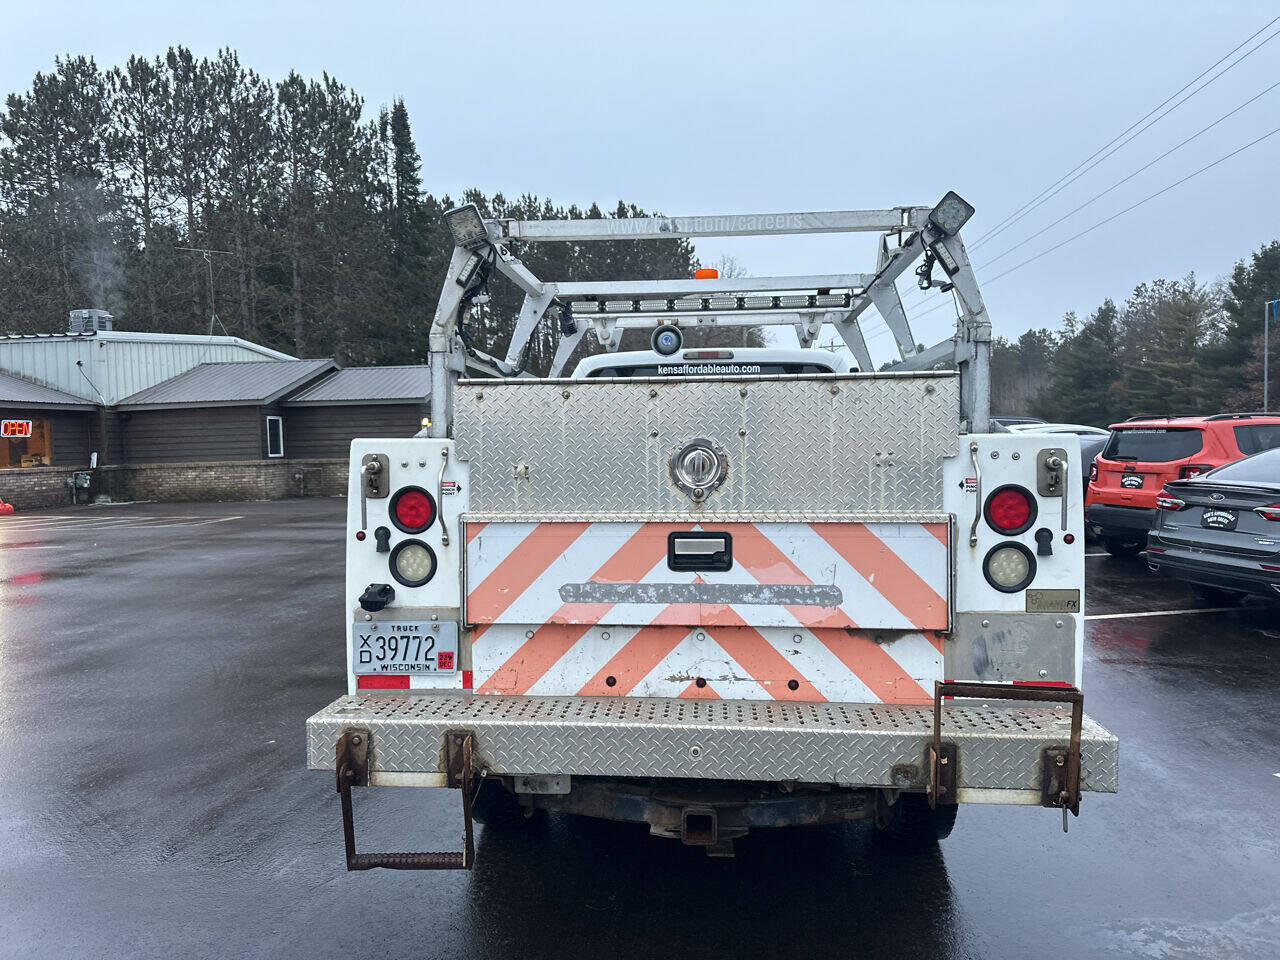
712,362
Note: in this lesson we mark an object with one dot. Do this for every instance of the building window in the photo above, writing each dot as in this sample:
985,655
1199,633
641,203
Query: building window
25,442
275,437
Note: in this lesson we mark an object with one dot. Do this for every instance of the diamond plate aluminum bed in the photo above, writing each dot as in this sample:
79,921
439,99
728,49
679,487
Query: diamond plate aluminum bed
999,748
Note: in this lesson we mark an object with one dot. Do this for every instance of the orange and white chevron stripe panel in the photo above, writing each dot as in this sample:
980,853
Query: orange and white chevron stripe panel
847,612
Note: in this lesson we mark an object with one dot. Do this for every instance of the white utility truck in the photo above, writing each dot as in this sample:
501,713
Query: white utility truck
714,590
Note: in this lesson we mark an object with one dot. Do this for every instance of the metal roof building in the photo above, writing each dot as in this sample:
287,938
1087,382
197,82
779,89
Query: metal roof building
20,392
367,385
228,384
260,424
108,365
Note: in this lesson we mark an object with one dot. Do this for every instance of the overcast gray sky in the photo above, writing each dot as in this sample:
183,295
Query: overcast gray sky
705,108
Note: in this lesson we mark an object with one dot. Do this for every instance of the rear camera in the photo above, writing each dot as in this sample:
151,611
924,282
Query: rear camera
413,563
1009,567
667,339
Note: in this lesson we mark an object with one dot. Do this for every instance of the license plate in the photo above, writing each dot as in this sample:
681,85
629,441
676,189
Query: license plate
1131,481
404,647
1218,519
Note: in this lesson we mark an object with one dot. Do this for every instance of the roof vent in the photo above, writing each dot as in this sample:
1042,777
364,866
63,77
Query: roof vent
89,321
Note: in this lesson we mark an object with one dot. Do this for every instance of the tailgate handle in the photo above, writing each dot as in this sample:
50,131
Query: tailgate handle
699,550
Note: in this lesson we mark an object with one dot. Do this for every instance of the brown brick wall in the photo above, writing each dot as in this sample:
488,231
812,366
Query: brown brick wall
34,488
225,480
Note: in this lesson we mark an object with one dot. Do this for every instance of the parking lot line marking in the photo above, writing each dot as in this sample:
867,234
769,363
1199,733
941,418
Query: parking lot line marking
1157,613
46,525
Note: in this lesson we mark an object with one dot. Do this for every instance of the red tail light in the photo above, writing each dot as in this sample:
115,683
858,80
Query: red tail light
1194,470
1166,502
1093,472
1270,512
412,509
1010,509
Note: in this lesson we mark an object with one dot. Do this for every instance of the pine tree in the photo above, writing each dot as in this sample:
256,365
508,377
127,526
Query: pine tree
332,244
137,95
1085,382
1177,319
1235,363
1020,368
58,225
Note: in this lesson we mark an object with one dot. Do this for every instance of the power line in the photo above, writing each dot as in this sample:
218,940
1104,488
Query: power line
1008,223
1035,201
1114,216
1134,135
1134,206
1121,182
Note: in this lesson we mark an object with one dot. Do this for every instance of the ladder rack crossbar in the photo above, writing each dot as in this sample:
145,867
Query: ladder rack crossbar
622,289
733,225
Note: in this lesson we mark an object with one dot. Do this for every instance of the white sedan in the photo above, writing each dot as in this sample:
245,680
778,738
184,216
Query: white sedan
1079,429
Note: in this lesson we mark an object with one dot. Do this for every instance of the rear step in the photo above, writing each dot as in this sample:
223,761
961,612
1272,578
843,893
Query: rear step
1000,751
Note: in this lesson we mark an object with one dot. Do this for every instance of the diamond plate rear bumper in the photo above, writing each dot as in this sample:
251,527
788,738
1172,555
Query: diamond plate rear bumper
875,745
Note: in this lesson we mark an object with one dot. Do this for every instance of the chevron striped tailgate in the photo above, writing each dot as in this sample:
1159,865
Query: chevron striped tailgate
846,612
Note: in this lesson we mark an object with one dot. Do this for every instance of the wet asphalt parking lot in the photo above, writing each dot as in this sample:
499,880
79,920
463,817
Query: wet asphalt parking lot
158,661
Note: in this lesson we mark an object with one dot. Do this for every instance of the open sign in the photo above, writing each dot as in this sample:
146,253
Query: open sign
15,429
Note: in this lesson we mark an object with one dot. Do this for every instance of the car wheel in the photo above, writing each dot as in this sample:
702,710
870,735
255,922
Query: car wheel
497,807
1119,547
909,820
1216,595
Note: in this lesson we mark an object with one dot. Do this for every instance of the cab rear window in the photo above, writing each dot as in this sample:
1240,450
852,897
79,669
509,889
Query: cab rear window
1257,437
708,369
1152,444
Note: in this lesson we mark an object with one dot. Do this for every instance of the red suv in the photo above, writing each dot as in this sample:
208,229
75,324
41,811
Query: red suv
1144,453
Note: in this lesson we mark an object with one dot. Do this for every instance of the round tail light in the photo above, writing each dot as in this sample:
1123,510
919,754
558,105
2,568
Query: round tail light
1009,567
1010,509
413,563
412,509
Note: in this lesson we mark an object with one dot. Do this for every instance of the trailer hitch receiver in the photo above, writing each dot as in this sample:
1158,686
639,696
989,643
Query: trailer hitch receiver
351,765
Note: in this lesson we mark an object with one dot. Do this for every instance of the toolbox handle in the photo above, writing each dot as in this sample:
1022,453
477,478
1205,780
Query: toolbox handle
700,550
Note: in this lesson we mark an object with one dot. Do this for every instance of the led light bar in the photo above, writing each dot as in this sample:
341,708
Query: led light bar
715,304
832,300
944,257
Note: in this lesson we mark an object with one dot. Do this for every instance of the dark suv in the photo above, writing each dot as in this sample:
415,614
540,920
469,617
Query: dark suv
1144,454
